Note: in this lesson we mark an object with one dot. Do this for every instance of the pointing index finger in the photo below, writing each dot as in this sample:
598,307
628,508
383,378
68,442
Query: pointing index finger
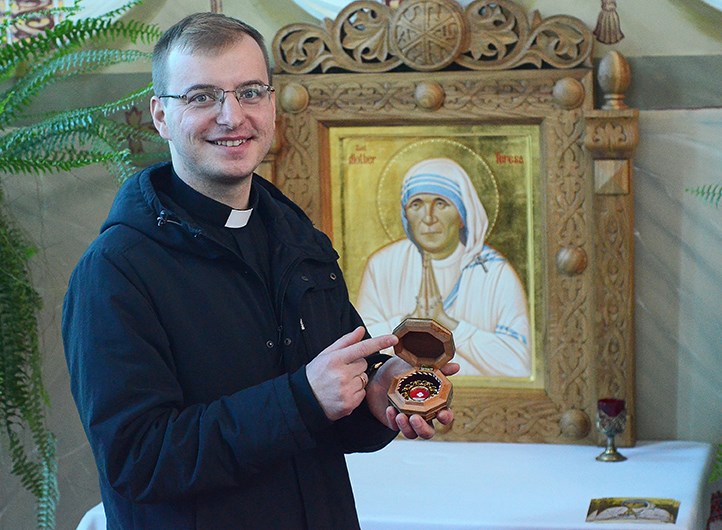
366,347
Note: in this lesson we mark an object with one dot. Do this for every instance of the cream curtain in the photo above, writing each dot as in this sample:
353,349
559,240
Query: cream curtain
330,8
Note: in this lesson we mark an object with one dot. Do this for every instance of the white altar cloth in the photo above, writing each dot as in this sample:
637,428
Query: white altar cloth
430,485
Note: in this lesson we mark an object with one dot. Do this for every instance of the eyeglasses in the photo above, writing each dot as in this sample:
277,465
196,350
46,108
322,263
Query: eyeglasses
205,98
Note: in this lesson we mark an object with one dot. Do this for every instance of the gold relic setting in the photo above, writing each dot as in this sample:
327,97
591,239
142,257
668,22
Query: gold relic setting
419,386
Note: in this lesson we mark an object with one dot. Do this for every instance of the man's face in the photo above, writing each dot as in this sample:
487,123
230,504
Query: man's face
217,148
434,222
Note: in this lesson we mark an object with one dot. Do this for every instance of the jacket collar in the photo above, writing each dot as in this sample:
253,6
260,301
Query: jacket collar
139,205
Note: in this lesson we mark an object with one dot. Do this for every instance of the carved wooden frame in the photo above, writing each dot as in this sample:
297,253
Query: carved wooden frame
432,62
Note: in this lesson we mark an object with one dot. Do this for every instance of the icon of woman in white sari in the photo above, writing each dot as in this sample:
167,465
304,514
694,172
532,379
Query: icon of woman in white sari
445,270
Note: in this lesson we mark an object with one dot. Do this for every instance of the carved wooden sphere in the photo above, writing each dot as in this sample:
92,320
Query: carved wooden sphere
568,93
571,260
294,98
429,95
575,424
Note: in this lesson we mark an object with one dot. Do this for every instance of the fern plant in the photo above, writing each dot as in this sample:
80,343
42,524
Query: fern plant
711,193
41,144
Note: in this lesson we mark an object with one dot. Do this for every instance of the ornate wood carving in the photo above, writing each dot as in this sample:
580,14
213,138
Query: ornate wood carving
491,64
429,35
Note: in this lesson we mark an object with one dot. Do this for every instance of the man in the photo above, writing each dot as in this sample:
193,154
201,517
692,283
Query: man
475,291
218,366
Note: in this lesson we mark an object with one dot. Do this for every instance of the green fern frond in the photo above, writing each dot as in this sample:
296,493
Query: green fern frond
34,149
55,163
46,148
84,131
121,10
101,30
711,193
124,103
70,35
53,71
22,395
717,465
48,143
58,123
8,18
61,37
11,19
67,130
147,158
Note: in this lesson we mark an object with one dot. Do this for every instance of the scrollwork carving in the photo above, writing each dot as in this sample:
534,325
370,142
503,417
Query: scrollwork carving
504,419
523,96
614,134
614,242
357,41
429,35
501,38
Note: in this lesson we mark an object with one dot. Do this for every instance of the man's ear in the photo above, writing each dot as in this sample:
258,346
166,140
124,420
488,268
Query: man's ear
157,112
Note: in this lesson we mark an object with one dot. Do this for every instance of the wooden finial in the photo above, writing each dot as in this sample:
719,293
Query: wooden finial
614,77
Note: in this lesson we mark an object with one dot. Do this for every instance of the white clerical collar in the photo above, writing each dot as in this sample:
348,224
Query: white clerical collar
238,218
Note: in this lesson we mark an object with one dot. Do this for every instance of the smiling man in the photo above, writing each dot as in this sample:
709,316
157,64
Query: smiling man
219,369
217,137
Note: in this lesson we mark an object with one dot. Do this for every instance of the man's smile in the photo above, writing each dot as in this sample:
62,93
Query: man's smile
229,143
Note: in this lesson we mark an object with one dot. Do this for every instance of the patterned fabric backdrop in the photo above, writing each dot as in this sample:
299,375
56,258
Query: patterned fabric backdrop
20,30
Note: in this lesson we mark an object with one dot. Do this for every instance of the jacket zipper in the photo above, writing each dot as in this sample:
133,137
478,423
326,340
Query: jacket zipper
165,217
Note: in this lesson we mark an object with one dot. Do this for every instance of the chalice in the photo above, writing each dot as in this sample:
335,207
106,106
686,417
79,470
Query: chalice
611,421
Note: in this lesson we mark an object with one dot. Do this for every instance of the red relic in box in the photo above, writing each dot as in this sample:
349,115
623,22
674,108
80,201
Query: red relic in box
427,346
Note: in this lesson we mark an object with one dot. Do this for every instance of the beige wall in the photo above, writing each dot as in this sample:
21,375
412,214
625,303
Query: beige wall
678,279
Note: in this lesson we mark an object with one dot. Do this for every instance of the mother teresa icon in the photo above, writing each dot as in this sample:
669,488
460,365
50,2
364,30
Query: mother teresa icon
444,269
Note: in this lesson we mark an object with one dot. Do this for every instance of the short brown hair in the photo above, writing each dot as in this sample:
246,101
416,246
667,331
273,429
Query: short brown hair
203,32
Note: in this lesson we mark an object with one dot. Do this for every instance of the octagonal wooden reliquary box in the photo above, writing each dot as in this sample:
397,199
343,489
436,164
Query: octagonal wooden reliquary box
427,346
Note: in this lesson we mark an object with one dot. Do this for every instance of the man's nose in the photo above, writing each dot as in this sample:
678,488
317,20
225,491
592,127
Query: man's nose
232,112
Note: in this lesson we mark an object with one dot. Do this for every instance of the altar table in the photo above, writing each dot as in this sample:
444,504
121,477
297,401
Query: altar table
432,485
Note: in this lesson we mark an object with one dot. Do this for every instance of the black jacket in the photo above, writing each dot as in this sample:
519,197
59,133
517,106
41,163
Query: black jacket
189,375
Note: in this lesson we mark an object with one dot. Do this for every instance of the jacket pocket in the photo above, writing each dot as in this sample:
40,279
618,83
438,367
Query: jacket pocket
323,308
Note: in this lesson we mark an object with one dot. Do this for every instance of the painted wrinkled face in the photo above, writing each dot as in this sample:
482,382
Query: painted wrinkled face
216,144
434,222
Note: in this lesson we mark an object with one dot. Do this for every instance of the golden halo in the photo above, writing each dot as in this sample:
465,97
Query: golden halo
388,195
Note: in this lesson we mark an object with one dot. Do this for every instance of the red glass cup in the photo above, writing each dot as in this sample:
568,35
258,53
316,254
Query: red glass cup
611,421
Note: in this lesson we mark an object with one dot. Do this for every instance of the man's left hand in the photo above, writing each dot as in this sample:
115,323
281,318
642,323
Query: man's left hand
413,426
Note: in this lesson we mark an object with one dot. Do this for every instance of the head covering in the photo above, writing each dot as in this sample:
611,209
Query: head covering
434,184
446,178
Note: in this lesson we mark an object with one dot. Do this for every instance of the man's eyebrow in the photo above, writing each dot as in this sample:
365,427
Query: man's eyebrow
253,82
201,86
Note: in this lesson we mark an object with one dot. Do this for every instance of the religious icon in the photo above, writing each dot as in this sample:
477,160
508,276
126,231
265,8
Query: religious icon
446,271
